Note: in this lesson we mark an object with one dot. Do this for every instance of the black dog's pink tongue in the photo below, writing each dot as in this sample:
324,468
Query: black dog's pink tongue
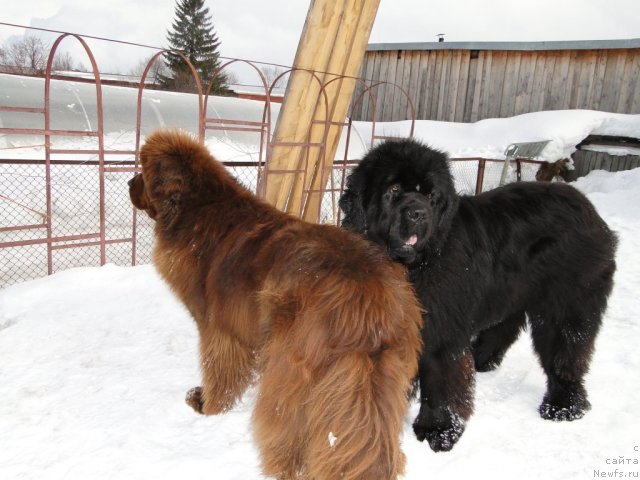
413,239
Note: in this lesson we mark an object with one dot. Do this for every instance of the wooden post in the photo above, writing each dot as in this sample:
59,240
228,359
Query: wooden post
333,40
352,42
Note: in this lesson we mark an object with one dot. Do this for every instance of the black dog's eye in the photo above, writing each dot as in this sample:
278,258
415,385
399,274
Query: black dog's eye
395,188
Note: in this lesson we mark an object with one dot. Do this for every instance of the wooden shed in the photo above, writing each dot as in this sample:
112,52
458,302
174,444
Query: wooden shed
599,152
470,81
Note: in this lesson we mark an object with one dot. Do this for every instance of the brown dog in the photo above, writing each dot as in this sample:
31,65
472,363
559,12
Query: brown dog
548,172
321,316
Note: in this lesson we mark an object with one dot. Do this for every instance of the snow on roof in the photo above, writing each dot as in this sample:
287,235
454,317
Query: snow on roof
489,138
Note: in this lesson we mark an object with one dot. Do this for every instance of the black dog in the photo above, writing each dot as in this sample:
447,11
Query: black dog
482,265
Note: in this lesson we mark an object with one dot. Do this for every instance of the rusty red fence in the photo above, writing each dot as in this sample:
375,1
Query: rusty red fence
71,208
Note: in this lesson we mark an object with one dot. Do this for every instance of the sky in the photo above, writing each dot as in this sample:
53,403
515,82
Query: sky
268,31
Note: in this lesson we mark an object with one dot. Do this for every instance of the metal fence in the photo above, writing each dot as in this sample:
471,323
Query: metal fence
54,217
57,216
51,215
70,207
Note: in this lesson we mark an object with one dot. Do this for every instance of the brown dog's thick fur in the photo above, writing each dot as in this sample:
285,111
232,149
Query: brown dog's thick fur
320,317
548,172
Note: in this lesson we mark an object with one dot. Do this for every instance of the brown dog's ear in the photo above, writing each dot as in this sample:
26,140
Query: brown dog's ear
137,193
139,197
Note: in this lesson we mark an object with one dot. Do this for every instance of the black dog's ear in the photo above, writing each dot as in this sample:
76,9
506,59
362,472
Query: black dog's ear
449,211
449,208
352,204
354,217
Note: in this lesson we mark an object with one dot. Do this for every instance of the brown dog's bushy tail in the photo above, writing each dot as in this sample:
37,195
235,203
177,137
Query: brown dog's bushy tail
340,413
356,415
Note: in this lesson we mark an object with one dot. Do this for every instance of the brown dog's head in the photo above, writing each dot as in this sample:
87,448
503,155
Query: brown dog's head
176,171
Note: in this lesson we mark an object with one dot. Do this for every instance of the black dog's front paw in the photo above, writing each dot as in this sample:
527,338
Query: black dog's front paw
440,439
566,407
558,413
194,399
443,440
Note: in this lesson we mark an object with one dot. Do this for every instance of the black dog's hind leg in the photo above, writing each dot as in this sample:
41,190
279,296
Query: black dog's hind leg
491,344
564,339
446,398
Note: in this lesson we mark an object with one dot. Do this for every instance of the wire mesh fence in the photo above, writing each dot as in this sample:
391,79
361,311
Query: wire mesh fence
34,242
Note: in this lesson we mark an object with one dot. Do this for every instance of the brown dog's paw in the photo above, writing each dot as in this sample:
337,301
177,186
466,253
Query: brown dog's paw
194,399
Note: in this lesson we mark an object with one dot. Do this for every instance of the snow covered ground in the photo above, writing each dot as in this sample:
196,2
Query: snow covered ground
95,362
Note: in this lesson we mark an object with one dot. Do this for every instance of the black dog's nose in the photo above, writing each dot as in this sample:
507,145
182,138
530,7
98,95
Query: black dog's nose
416,214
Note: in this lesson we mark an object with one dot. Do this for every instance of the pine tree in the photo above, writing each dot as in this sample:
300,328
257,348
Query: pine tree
193,34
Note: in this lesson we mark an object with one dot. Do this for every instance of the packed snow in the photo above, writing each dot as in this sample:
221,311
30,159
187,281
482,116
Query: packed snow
95,364
489,138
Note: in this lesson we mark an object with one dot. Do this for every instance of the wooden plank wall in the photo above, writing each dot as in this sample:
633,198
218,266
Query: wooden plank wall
584,161
469,85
